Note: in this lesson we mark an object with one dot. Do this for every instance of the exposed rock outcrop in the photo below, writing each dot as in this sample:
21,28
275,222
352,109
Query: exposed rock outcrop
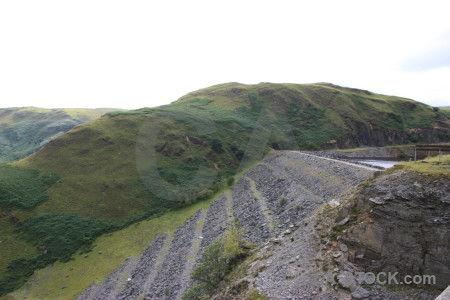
405,227
396,222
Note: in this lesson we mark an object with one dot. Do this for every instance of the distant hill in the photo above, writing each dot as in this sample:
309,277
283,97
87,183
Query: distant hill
23,130
131,165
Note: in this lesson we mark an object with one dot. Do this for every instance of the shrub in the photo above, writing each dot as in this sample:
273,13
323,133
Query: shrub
282,201
23,188
57,237
63,235
19,270
233,241
216,145
217,261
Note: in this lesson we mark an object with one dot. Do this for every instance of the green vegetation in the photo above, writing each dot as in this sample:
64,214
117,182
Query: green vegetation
201,140
433,165
444,110
59,236
78,273
26,129
337,231
130,166
20,270
22,187
56,237
255,295
282,201
217,261
13,246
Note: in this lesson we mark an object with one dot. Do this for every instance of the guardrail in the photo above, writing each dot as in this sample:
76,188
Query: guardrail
439,148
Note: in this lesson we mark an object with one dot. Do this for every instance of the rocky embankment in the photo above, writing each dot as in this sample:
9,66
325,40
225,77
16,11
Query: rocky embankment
404,226
397,224
317,232
267,200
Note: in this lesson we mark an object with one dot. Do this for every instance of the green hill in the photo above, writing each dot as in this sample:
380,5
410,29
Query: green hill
127,166
24,130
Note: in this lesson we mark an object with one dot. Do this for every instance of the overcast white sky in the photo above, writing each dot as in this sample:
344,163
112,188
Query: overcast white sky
131,54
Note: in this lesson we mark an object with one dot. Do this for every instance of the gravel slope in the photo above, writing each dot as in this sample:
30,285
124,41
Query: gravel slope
304,182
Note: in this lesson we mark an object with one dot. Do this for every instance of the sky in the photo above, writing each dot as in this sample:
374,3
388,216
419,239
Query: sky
132,54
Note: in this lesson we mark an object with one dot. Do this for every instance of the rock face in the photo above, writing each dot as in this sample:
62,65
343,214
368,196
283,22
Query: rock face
407,226
396,222
380,137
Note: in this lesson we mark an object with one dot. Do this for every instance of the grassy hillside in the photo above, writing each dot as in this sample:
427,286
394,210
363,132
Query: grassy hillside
66,280
127,166
24,130
317,112
435,165
445,110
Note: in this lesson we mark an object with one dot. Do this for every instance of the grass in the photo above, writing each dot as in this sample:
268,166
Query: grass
57,237
23,187
24,130
219,136
132,165
444,110
116,247
434,165
12,246
60,236
21,190
255,295
90,185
